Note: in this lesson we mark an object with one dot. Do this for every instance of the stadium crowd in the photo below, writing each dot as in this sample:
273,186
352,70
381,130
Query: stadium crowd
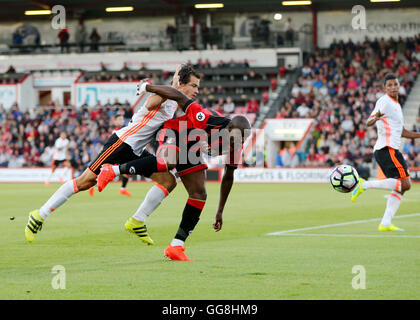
338,87
27,138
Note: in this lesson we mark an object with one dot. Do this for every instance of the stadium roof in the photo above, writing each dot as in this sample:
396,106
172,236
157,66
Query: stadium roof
14,9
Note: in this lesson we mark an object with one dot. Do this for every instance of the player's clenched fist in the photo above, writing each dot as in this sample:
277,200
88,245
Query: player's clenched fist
141,87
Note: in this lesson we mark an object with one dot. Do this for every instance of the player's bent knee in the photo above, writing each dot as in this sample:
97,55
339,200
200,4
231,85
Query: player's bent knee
170,183
165,179
86,181
406,186
202,195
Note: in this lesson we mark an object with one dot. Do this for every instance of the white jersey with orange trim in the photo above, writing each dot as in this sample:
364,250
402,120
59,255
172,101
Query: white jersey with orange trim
60,147
390,125
144,124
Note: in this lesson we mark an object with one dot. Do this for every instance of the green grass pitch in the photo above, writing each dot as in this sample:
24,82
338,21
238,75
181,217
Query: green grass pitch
103,261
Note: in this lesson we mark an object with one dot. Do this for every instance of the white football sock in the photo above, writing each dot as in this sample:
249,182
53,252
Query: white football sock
387,184
58,198
63,175
392,206
152,200
177,242
50,176
116,170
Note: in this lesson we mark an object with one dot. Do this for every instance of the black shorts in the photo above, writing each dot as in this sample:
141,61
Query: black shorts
188,161
392,163
115,151
57,163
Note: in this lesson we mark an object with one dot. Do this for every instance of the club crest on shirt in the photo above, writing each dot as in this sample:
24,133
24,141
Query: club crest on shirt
200,116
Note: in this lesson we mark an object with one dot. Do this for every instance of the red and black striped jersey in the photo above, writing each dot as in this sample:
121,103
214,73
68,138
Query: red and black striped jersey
211,121
197,117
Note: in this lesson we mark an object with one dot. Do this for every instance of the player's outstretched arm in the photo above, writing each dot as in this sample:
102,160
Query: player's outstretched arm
410,134
155,100
165,92
225,187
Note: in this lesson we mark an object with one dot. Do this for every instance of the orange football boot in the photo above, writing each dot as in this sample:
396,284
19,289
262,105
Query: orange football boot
105,176
176,253
125,192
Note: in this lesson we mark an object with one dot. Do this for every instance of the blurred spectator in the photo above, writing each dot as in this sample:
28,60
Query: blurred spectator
16,161
229,106
290,34
205,103
205,34
251,76
286,157
260,158
11,69
125,67
63,37
253,106
171,33
17,37
219,105
348,123
279,161
303,110
81,35
282,72
281,114
94,40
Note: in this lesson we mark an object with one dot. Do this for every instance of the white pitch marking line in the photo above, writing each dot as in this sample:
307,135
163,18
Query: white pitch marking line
349,235
337,225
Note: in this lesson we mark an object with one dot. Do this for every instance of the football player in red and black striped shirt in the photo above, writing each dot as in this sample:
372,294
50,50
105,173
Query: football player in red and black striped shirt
181,143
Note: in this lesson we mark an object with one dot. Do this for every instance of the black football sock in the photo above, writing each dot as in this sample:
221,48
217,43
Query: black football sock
124,181
190,218
145,166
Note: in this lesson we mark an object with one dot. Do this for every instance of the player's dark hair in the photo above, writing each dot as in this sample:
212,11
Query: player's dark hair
390,76
186,72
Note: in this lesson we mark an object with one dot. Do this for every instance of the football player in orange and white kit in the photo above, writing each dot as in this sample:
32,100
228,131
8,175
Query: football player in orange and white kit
60,158
388,117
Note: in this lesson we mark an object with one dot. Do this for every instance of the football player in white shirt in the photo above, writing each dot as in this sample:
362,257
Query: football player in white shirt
388,117
60,158
125,145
